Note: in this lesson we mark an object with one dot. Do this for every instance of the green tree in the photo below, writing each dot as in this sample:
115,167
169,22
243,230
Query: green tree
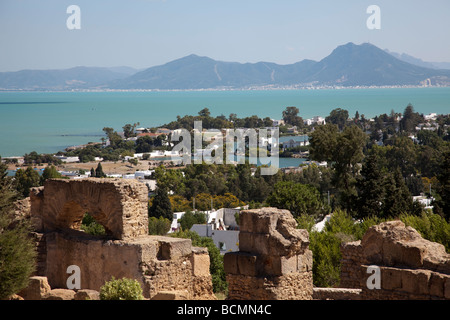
398,199
26,179
370,188
144,144
158,226
323,142
99,171
297,198
17,250
161,206
290,116
338,117
50,173
444,186
190,218
114,138
409,120
128,130
204,113
347,156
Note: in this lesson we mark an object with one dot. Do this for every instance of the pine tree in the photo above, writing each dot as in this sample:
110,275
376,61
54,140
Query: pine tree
398,199
26,179
17,251
370,188
99,171
161,206
444,186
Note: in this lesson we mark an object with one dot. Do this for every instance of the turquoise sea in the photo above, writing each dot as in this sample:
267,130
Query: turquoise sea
47,122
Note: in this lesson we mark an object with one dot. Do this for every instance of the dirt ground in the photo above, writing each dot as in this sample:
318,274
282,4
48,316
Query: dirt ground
109,167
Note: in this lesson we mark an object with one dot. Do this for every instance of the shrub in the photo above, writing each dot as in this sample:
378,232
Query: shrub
92,227
17,256
431,226
325,245
121,289
158,226
190,218
17,249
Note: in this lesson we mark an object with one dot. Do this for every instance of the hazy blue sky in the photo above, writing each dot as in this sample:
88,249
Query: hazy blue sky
144,33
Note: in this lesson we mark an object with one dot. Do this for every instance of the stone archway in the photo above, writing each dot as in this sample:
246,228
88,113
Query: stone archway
119,205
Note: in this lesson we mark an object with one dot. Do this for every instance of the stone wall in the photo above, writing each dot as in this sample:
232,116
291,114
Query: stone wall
274,262
411,268
351,261
120,205
164,266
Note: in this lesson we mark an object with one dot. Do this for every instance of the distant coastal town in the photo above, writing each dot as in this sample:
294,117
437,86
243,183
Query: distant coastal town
294,143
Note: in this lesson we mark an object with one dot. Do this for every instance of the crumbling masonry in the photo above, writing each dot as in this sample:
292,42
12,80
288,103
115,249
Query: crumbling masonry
162,265
274,262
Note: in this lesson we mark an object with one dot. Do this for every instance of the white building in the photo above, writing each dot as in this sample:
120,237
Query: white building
315,120
422,199
294,144
68,159
277,123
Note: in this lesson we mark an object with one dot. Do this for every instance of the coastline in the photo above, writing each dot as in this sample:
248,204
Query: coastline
255,88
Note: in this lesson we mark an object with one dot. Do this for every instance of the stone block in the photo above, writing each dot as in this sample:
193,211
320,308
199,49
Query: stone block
437,285
200,264
172,295
174,248
247,264
36,289
305,261
415,281
240,263
86,294
230,263
278,266
447,288
59,294
246,243
391,278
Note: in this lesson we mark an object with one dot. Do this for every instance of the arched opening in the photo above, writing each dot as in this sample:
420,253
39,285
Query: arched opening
75,217
91,226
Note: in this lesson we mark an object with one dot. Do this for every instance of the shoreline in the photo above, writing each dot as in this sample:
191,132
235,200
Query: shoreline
109,167
256,88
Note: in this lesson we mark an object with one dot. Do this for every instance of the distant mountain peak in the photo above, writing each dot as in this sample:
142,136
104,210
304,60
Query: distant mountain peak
347,65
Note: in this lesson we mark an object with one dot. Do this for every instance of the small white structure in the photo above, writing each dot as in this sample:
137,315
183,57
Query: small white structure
422,199
294,144
143,174
68,159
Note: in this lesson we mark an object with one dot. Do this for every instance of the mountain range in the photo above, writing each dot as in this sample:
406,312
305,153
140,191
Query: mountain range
348,65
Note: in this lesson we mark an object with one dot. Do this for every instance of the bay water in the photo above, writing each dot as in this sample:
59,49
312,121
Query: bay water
47,122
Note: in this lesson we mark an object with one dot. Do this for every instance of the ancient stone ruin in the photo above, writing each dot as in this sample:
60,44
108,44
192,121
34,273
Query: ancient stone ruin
411,267
164,266
274,262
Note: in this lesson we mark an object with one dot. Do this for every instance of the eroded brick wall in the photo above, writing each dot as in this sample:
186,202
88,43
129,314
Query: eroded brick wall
411,268
274,261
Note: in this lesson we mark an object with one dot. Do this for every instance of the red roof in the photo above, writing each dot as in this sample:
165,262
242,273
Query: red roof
149,134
